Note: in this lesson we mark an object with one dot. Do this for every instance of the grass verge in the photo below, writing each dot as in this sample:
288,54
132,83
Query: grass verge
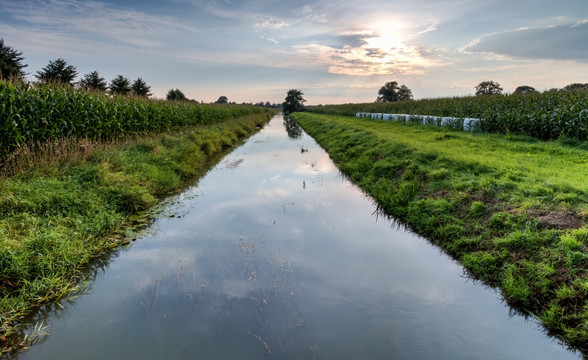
69,203
511,209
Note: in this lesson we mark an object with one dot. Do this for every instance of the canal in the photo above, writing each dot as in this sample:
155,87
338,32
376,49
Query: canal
273,254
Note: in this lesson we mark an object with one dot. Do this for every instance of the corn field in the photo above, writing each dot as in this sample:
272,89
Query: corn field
32,115
544,116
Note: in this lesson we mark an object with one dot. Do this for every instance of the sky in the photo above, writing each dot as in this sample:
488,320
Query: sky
334,51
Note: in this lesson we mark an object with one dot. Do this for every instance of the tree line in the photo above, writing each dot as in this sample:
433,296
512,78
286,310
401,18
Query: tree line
59,72
391,91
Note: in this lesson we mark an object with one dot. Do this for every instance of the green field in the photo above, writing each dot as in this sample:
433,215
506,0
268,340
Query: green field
30,115
511,209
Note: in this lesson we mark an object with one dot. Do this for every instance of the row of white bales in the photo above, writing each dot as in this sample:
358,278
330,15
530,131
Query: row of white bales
469,124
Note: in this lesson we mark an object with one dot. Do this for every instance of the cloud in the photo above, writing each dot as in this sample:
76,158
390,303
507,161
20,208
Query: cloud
270,23
91,17
370,54
560,42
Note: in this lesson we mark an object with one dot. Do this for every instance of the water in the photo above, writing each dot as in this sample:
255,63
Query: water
274,255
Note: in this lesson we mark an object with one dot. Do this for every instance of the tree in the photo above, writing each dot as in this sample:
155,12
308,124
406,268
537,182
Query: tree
93,82
404,93
576,86
57,72
175,94
10,62
488,88
222,100
293,101
120,85
391,92
524,89
140,88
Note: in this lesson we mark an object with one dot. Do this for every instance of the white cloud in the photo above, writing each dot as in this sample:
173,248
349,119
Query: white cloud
271,23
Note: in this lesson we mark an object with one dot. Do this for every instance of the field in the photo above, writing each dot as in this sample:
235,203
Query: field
544,116
33,115
511,209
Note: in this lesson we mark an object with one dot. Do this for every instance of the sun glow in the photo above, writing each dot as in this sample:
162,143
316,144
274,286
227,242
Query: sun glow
384,49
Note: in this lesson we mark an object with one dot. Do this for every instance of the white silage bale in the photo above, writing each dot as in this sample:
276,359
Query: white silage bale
471,124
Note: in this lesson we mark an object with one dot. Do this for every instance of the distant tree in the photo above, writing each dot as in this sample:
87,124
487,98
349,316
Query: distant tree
391,92
488,88
175,94
93,82
293,101
404,93
120,85
140,88
576,86
57,72
222,100
524,89
10,62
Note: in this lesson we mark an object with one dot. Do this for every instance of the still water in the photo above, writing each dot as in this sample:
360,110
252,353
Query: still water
273,254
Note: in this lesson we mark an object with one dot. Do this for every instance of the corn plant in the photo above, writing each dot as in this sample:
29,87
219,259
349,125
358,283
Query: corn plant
545,116
32,115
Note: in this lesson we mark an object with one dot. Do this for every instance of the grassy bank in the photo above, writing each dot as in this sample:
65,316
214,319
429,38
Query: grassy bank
66,202
511,209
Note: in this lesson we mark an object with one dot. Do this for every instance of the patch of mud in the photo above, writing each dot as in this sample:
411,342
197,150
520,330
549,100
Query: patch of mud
558,220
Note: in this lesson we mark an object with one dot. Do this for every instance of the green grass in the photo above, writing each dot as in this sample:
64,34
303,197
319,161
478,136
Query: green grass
60,212
511,209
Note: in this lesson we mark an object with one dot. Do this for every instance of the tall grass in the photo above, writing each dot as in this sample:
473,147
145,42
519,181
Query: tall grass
34,115
544,116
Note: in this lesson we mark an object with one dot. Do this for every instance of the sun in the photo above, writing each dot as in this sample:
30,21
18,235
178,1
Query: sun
385,49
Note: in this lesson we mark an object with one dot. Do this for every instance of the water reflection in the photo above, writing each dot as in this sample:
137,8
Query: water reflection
259,265
293,130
